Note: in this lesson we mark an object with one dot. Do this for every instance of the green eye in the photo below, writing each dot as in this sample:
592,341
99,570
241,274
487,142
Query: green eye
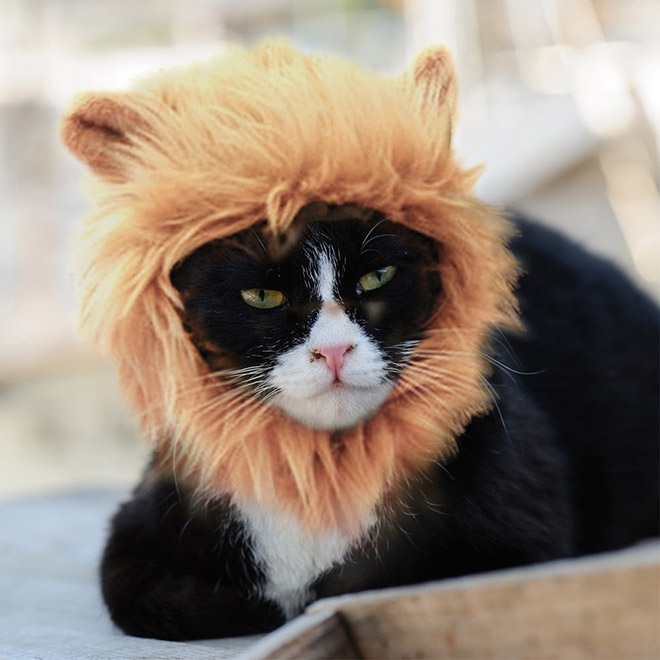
375,279
263,298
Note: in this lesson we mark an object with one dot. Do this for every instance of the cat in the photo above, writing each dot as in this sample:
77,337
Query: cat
355,374
555,470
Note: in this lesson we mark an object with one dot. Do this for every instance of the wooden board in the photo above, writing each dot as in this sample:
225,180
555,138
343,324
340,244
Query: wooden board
606,606
311,636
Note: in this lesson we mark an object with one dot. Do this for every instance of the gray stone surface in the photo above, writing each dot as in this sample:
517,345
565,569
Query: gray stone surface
50,604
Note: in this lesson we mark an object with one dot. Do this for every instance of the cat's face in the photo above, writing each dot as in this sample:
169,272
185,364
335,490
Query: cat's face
323,328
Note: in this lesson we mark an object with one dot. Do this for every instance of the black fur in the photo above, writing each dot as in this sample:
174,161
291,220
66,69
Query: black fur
173,574
211,278
567,464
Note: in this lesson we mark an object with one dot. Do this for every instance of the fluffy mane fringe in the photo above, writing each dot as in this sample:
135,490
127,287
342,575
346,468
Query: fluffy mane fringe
254,136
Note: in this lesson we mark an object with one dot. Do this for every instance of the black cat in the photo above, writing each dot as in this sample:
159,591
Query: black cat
313,316
566,462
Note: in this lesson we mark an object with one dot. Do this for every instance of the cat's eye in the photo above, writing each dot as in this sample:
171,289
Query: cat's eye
375,279
263,298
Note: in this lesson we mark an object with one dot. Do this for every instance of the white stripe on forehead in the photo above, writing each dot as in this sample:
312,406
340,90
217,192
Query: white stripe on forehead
327,274
323,270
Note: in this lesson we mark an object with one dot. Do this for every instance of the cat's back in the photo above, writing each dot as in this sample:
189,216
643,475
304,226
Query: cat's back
592,354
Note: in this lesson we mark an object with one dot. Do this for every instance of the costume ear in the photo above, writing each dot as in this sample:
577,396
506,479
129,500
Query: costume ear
434,80
98,129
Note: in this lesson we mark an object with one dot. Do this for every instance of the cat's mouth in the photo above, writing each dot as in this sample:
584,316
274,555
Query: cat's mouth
338,405
337,386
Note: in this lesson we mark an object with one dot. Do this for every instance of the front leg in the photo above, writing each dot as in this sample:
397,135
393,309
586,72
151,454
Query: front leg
175,573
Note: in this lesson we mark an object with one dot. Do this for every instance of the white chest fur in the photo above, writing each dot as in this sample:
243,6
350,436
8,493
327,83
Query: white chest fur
292,557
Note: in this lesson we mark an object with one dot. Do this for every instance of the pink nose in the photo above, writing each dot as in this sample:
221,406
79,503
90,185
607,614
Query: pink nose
334,357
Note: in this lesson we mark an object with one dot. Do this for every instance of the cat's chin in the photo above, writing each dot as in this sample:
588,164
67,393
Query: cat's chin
339,407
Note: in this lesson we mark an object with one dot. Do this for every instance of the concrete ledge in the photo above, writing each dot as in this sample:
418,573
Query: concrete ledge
50,601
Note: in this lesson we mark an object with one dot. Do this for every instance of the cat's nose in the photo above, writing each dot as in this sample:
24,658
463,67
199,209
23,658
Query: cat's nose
333,356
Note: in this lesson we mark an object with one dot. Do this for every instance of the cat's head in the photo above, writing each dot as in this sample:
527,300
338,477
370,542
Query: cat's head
322,328
203,272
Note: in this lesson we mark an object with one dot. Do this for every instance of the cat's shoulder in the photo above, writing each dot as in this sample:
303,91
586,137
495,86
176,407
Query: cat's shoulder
557,269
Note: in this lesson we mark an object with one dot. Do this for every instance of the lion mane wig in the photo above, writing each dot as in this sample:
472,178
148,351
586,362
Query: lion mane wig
252,139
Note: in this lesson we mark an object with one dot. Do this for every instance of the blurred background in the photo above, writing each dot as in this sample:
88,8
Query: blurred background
560,98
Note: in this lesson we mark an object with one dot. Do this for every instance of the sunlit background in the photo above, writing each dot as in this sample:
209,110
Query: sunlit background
560,98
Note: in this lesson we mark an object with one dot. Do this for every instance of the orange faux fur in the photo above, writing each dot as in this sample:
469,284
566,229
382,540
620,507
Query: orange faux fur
204,152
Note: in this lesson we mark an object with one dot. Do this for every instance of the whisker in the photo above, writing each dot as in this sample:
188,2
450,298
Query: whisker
416,386
256,235
494,398
443,467
371,231
226,399
512,370
503,339
437,370
373,238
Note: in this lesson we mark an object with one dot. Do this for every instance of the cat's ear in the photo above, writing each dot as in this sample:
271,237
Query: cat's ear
99,127
433,79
